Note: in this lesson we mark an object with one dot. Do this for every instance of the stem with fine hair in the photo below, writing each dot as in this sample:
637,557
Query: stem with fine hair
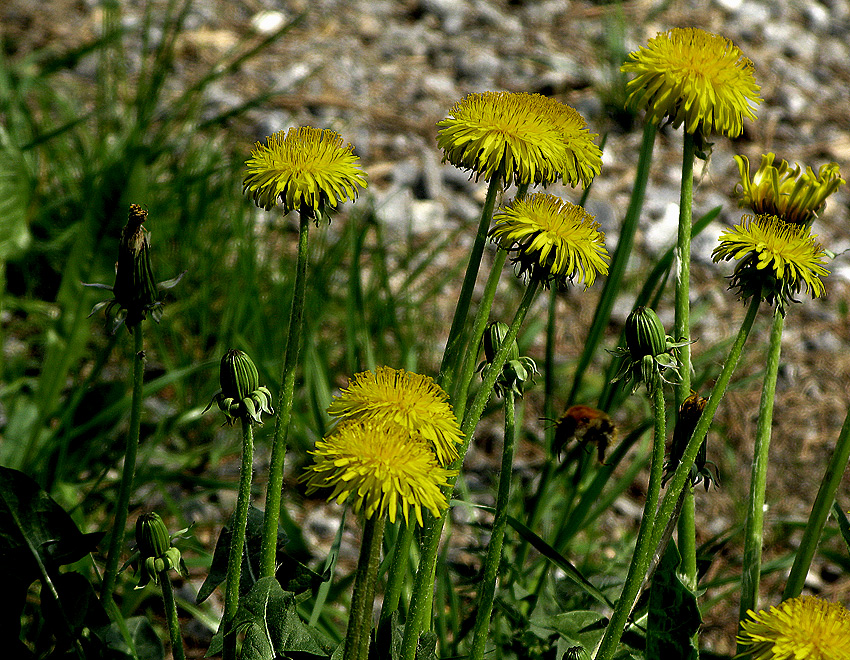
494,550
271,518
820,511
682,329
680,477
237,541
397,571
754,529
643,546
363,596
455,343
110,572
170,606
423,585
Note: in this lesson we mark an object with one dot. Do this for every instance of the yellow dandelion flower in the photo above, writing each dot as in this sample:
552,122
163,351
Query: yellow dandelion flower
775,258
554,240
409,400
694,78
379,468
793,195
306,167
805,628
527,138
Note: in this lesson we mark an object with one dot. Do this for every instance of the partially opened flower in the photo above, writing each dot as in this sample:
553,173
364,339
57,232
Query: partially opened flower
526,138
554,241
379,467
411,401
307,167
793,195
693,78
776,259
805,628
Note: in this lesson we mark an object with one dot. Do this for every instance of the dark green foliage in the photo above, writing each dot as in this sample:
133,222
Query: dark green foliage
674,616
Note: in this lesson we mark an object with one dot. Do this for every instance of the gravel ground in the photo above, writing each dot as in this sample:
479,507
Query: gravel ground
382,73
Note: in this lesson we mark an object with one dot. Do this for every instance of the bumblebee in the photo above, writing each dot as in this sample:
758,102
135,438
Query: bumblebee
586,425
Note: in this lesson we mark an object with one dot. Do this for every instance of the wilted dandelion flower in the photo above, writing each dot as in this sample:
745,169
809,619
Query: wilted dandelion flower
379,468
554,240
775,258
307,167
793,195
527,138
694,78
411,401
799,628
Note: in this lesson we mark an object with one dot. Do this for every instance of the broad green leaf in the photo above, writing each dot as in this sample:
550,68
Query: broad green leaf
578,632
674,616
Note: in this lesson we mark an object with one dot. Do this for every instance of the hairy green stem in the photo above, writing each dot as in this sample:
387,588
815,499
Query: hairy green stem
687,525
494,550
170,605
398,570
423,585
455,343
754,529
116,541
237,541
274,491
817,518
363,596
643,546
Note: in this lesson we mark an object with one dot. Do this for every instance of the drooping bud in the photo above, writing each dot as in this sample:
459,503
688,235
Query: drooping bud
644,333
135,289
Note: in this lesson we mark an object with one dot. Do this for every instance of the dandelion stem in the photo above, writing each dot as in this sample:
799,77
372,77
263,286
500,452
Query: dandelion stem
423,585
455,342
820,510
398,571
754,528
363,596
643,546
177,651
271,519
116,541
237,540
494,551
687,525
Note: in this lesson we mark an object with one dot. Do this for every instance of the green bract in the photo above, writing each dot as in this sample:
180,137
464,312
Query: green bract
156,554
241,396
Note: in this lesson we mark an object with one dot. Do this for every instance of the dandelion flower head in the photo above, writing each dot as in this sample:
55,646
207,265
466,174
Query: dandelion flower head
379,468
411,401
785,191
694,78
526,138
554,240
307,167
775,258
805,628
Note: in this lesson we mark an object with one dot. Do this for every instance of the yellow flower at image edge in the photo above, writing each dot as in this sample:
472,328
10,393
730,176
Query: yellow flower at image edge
775,257
379,468
799,628
528,138
554,240
411,401
695,78
793,195
307,166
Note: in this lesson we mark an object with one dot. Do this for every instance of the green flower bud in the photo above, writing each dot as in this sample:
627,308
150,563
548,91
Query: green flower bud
494,335
152,535
238,375
645,334
135,289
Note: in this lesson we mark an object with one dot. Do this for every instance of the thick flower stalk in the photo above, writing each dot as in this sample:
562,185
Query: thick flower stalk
309,170
796,196
552,240
695,79
797,628
776,259
398,397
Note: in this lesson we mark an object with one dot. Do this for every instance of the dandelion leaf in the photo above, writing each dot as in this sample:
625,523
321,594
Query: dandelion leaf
674,617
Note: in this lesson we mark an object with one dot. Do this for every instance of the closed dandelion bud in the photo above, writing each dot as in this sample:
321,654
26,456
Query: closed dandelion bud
238,375
135,289
517,371
644,333
493,338
155,550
